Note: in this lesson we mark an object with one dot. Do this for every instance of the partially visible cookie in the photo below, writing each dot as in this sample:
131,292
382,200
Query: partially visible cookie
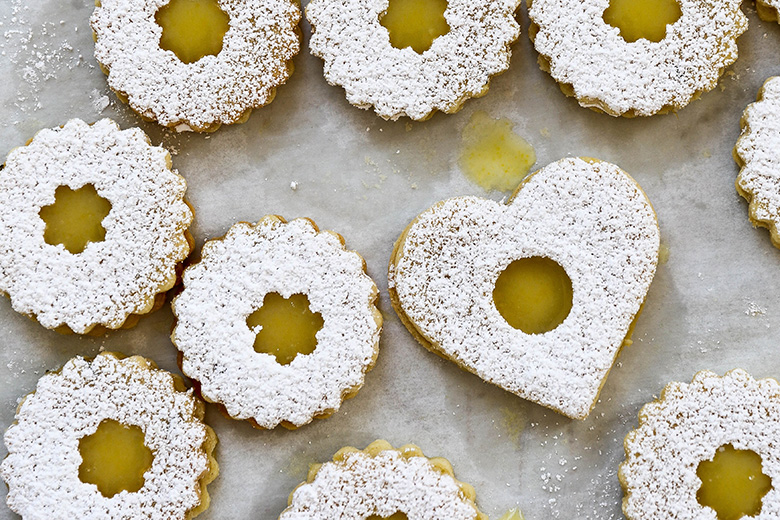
322,322
757,152
767,10
382,481
45,467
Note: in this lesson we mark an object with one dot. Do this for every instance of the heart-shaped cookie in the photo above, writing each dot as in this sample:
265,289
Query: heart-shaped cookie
573,252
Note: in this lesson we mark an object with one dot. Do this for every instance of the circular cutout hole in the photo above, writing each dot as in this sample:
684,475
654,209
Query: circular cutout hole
642,18
733,483
533,294
285,327
114,458
192,29
75,219
398,515
415,23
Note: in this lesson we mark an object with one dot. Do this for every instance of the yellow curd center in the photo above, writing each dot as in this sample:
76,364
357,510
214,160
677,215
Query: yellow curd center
533,294
114,458
415,23
492,155
192,29
288,326
74,220
642,18
395,516
733,483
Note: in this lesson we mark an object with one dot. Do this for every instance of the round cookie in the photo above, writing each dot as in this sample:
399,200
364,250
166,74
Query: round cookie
358,56
255,58
688,425
232,280
42,468
592,62
110,282
382,481
757,152
587,216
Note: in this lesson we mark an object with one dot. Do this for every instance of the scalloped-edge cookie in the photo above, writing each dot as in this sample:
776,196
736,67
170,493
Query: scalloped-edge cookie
588,216
757,152
231,281
111,282
382,481
255,59
768,10
686,426
42,466
592,62
358,56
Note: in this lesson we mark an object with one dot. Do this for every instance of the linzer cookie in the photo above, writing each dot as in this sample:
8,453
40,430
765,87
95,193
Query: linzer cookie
538,295
277,322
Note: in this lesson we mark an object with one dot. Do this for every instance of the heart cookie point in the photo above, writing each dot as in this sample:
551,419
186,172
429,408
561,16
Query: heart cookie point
590,235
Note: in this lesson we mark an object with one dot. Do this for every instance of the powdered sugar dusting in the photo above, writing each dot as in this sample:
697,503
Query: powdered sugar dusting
590,218
758,152
687,426
144,239
358,55
639,78
231,282
360,485
214,90
42,467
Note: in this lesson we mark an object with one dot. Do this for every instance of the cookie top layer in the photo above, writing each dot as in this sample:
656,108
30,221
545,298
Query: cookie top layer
145,229
758,153
262,38
642,78
358,55
382,481
231,281
685,427
589,217
42,467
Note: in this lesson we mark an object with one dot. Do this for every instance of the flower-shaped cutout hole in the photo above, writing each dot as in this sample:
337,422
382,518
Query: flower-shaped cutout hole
733,483
415,23
285,327
533,294
192,29
638,19
398,515
75,219
114,458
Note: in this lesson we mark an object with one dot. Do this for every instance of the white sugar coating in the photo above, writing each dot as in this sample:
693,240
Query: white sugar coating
687,426
358,55
217,89
758,152
643,77
359,485
231,281
42,467
589,217
145,228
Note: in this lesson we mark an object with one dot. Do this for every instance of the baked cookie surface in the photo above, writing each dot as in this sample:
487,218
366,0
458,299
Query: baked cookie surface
592,62
254,59
588,217
232,282
382,481
43,467
358,55
111,279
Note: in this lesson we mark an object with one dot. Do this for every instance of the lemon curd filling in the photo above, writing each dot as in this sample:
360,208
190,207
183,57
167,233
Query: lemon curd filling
192,29
115,458
533,294
415,23
287,327
733,483
395,516
492,155
74,220
642,18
